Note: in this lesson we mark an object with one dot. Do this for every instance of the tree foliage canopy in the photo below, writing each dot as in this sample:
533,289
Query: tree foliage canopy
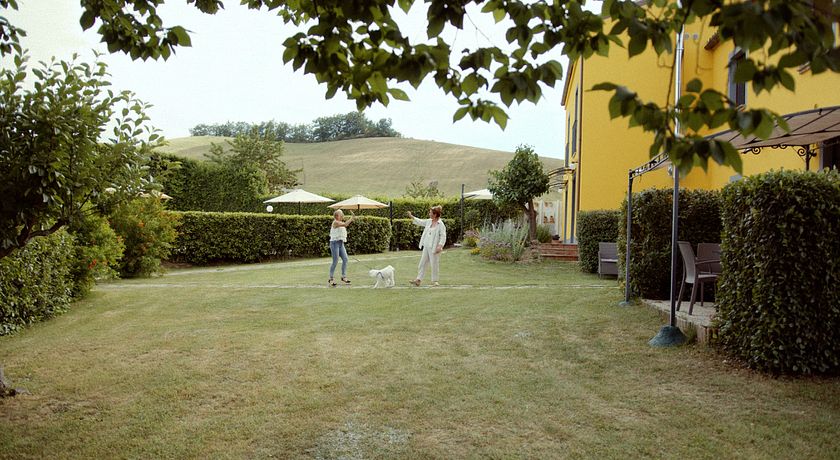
351,125
522,180
57,159
260,151
359,48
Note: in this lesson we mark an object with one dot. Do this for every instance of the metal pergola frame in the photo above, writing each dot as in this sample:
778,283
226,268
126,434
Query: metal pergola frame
807,128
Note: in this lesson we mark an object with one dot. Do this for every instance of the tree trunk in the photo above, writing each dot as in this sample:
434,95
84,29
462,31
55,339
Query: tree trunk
532,221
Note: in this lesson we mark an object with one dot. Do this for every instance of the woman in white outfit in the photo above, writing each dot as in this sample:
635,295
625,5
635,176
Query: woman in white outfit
431,243
338,236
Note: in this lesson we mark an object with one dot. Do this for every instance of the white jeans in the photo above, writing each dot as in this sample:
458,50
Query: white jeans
429,258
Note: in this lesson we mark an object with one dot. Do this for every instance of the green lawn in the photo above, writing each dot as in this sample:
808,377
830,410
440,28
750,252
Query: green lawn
503,361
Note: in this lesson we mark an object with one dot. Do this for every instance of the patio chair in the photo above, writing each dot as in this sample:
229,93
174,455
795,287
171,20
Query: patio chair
710,251
695,273
607,259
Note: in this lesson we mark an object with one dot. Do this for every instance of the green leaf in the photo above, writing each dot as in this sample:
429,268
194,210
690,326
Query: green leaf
183,38
405,5
435,27
87,20
765,126
398,94
377,83
637,45
744,71
499,15
605,86
712,100
694,86
460,113
500,117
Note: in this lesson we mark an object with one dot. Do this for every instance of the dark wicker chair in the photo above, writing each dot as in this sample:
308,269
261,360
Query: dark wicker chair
607,259
696,272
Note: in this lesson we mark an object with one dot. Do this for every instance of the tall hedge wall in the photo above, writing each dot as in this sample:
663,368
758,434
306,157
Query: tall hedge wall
650,248
36,281
593,228
779,301
246,237
206,186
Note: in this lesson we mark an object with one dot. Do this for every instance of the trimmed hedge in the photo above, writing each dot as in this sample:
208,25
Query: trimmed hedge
207,186
650,249
779,301
593,228
36,281
247,237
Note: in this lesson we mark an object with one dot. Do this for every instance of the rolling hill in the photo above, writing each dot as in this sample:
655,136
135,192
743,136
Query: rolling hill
377,166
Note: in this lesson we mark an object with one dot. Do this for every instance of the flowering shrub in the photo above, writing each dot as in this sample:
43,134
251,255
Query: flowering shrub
98,252
148,233
471,238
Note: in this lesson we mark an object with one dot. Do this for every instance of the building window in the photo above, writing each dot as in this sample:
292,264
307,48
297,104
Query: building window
737,91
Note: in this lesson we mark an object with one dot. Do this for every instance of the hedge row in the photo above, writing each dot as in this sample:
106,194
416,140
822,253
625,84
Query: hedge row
593,228
779,294
207,186
36,281
204,186
650,247
247,237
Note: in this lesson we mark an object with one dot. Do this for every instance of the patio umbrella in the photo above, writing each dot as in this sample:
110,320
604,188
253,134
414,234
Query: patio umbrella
299,196
358,202
482,194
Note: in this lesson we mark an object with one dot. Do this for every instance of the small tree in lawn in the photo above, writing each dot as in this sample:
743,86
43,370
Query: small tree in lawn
522,180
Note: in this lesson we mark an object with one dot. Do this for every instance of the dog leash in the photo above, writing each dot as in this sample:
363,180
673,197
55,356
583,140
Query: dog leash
364,264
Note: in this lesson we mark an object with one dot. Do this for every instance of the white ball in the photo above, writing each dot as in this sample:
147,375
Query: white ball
269,208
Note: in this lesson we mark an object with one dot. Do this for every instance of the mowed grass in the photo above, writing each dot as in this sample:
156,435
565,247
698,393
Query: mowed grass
503,361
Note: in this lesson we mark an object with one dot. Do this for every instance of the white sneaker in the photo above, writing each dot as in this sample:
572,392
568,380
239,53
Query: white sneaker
435,284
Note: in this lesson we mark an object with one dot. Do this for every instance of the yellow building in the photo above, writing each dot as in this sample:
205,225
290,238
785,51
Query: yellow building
601,151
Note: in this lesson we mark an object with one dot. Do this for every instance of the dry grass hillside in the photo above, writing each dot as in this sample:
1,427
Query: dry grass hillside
378,166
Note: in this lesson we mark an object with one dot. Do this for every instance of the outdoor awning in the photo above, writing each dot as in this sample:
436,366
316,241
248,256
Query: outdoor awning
806,128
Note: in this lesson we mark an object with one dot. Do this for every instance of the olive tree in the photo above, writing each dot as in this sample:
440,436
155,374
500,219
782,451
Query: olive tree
522,180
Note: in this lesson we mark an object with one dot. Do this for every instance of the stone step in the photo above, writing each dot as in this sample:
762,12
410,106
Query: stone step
559,251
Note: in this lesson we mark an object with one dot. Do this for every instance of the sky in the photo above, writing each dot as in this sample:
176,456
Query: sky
234,72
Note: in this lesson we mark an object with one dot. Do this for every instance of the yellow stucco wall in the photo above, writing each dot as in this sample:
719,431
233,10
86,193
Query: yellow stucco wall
609,148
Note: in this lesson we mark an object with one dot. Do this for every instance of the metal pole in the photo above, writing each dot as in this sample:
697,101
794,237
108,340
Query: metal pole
391,215
671,335
808,157
462,213
629,230
675,212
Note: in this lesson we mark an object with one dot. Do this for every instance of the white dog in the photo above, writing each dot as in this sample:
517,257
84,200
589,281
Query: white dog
384,277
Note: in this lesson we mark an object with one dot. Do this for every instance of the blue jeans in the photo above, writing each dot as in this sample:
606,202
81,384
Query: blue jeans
337,249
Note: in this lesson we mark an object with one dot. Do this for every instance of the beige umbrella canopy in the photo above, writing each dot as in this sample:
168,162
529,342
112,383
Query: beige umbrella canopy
299,196
483,194
358,202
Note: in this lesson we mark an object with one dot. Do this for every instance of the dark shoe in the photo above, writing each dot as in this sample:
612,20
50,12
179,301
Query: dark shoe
331,282
345,280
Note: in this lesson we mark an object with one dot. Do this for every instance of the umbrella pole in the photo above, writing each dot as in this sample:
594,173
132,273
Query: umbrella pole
391,217
462,212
